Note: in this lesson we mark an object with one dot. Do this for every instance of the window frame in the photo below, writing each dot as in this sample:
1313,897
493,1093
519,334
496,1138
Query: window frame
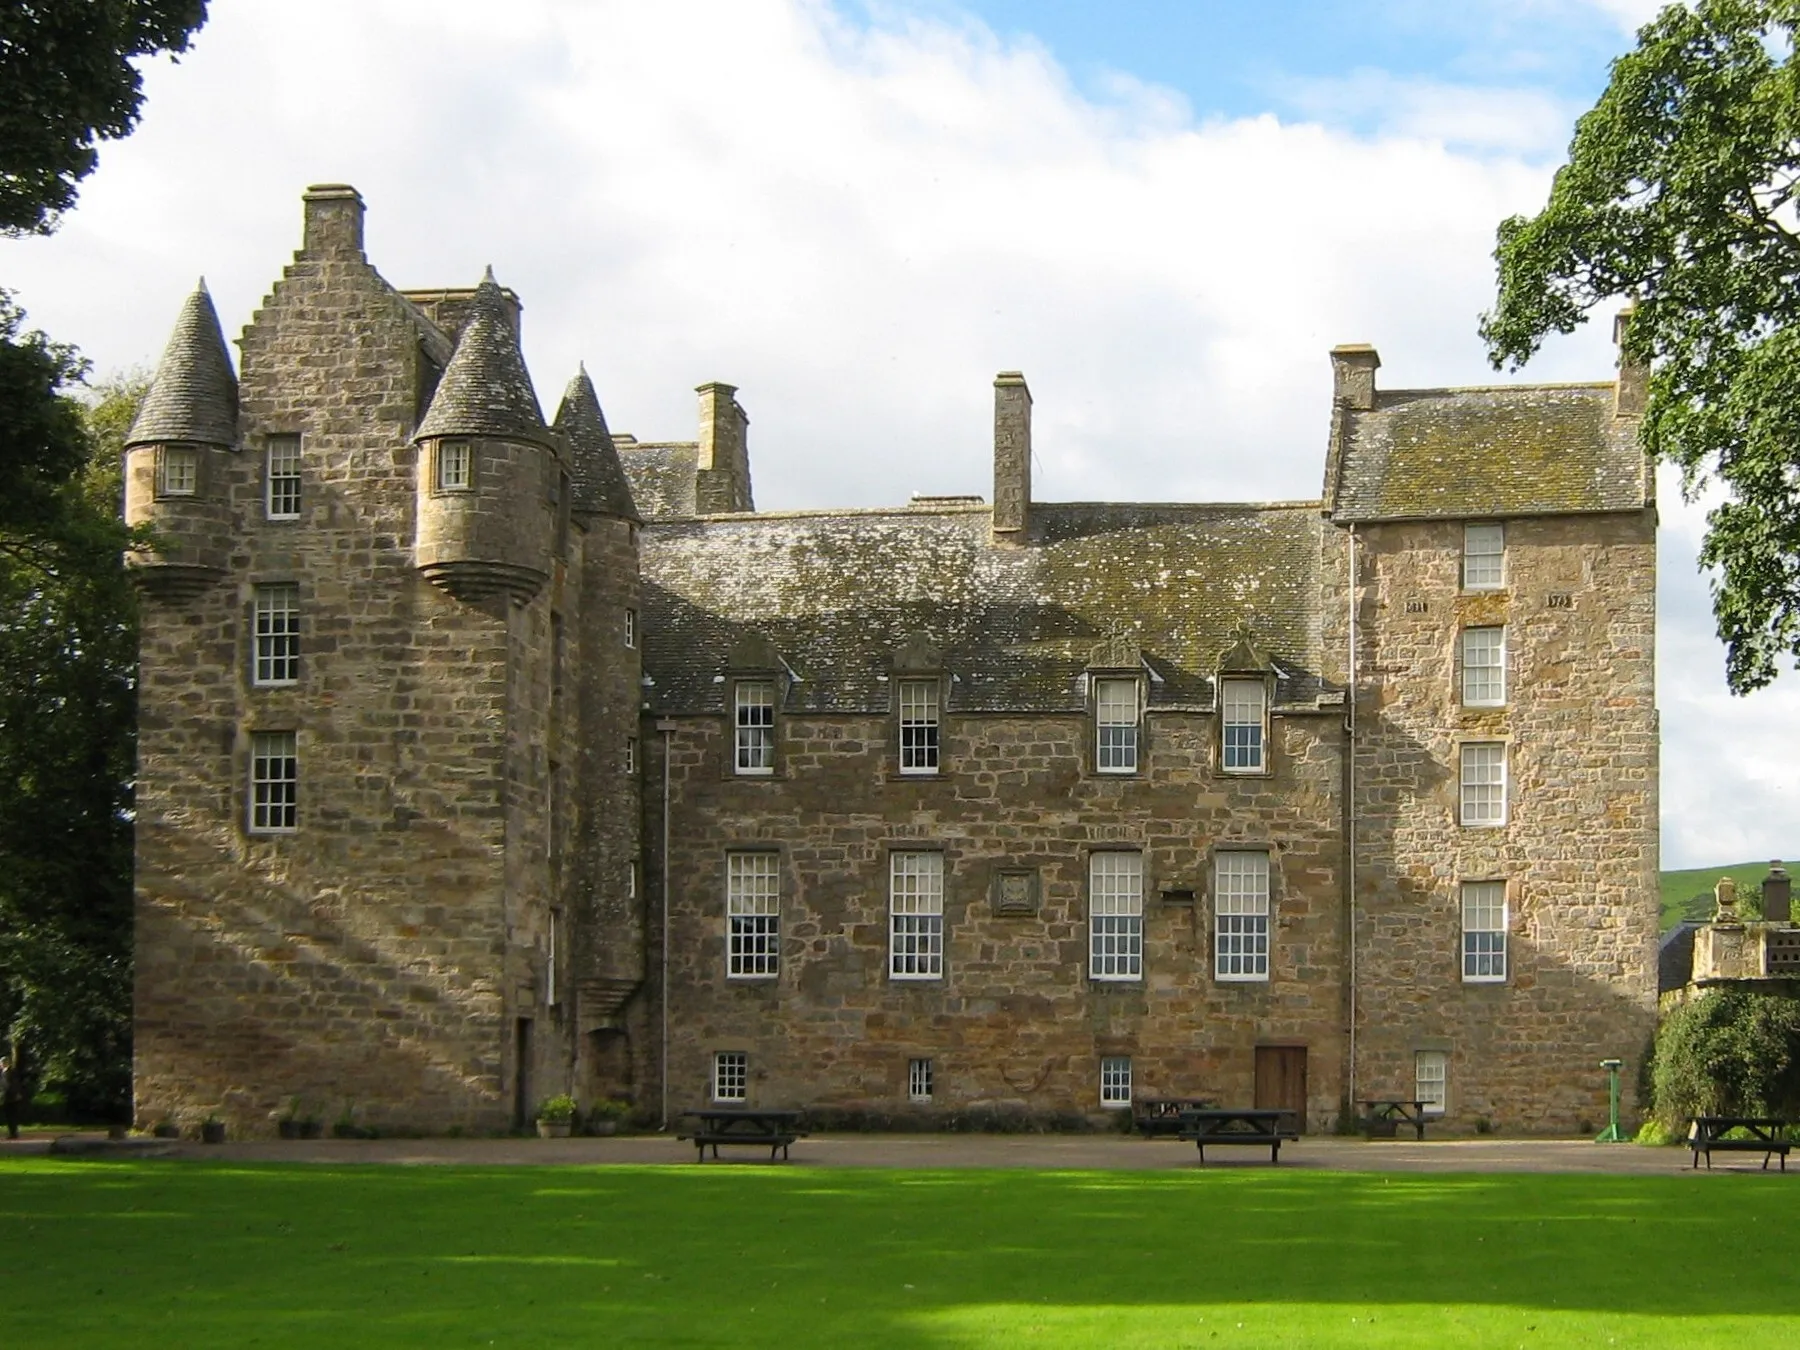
631,754
1130,734
1115,933
290,480
1249,945
1115,1079
923,918
1485,962
1434,1103
926,722
1484,531
919,1080
190,456
730,1076
631,627
441,461
747,737
268,810
1227,683
271,649
752,915
1466,785
1491,673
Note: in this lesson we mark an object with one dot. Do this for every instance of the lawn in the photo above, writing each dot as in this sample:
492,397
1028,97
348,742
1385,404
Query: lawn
199,1255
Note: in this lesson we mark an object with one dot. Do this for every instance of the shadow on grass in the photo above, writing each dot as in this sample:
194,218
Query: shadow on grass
372,1256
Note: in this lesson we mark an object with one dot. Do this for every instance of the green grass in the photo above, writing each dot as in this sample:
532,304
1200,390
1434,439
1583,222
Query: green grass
1681,890
199,1255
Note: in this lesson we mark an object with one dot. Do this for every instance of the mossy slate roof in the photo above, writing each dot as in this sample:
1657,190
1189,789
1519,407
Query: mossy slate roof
598,480
485,389
838,593
661,474
1508,451
194,395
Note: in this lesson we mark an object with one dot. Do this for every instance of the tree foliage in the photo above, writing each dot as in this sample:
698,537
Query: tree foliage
68,656
1733,1052
1680,192
66,67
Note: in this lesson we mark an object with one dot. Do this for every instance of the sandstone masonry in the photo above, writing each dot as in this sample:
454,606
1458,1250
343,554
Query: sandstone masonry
485,757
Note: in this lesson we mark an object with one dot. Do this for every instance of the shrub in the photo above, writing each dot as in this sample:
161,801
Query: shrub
558,1110
1735,1052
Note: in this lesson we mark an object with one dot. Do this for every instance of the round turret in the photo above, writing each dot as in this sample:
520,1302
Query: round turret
176,458
491,482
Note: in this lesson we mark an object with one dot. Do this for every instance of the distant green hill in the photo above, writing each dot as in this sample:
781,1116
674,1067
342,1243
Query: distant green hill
1681,891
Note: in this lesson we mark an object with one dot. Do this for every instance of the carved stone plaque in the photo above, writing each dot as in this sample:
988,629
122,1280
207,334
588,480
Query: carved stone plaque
1015,891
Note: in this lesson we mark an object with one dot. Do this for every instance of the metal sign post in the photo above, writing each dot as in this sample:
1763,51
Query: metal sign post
1612,1134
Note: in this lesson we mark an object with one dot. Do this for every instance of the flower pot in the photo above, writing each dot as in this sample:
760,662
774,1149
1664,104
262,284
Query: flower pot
212,1132
605,1125
553,1129
288,1129
312,1129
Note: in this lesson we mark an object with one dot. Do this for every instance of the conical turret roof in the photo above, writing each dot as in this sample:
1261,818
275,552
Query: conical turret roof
599,478
485,390
194,396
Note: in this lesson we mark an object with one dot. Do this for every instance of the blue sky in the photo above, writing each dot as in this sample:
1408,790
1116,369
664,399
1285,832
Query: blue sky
858,210
1237,59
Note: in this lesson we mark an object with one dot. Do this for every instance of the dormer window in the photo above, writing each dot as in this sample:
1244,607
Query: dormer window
1243,723
919,726
754,715
1116,725
178,471
455,467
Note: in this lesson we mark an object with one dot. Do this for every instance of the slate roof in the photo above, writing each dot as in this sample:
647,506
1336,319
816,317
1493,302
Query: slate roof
661,474
838,593
194,396
599,481
1516,450
1675,957
485,389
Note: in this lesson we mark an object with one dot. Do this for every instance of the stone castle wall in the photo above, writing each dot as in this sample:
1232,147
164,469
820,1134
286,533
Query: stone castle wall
1578,852
357,961
1016,1022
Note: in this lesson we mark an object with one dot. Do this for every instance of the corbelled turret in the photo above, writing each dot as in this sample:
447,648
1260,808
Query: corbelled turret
175,456
600,486
490,472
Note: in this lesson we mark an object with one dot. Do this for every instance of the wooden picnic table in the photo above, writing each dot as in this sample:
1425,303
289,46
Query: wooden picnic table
1766,1135
1393,1112
1162,1115
740,1125
1238,1125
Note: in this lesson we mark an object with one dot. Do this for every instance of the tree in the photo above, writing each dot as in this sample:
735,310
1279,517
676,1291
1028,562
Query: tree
68,656
1680,193
66,67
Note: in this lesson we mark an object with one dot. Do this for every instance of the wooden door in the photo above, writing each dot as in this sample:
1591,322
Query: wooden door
1281,1081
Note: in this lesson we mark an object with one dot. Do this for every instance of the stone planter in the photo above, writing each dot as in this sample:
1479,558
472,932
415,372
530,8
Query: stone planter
311,1129
553,1129
604,1126
287,1129
212,1132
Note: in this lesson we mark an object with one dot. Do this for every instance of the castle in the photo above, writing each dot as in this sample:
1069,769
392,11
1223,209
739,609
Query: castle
484,757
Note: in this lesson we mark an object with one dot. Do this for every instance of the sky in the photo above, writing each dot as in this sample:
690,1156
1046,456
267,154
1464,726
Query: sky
858,211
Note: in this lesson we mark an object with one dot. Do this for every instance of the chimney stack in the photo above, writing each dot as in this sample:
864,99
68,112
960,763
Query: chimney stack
1634,376
334,219
1777,894
1012,458
722,480
1353,367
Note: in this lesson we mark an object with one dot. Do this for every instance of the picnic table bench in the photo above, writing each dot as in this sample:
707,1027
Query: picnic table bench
1238,1125
1762,1134
1162,1115
1383,1116
756,1127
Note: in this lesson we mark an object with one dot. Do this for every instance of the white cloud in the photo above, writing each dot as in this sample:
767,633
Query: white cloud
858,228
1507,120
